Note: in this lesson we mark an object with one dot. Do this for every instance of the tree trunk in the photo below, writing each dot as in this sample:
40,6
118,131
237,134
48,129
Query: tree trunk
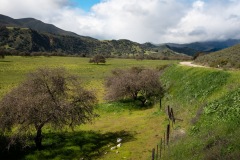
38,139
160,103
134,95
143,101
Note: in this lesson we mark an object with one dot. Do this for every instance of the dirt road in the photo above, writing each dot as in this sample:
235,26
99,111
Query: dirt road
191,64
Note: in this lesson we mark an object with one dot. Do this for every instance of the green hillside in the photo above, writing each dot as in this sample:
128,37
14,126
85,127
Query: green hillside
207,109
163,52
226,58
25,41
28,41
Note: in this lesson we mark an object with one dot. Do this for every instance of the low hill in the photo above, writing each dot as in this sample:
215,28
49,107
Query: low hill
207,47
162,51
226,58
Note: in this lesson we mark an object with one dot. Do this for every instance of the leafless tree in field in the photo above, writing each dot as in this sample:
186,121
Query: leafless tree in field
137,83
47,97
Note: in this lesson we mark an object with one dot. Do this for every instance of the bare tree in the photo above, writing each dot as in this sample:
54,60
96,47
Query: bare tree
137,83
48,96
98,59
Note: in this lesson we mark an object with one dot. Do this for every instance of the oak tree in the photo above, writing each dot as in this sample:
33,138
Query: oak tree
47,96
137,83
98,59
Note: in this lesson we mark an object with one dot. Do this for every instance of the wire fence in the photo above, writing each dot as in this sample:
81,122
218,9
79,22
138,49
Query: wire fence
157,152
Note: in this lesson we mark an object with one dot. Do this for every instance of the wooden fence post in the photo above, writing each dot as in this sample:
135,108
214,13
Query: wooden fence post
164,140
173,117
160,103
168,133
160,149
169,113
153,153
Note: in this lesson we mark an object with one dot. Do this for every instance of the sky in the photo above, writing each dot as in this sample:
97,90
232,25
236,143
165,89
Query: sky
156,21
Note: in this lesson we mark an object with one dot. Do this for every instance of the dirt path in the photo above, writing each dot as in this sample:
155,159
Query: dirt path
191,64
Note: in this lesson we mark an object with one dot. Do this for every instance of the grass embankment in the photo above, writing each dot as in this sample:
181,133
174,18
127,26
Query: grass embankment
140,128
208,102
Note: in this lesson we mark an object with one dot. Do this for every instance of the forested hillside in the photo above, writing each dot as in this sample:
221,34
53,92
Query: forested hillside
25,41
28,40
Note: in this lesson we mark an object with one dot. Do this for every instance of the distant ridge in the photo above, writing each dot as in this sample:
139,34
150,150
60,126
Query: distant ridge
207,47
32,35
33,24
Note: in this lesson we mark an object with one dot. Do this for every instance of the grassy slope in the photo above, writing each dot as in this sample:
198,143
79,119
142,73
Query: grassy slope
208,102
226,58
139,128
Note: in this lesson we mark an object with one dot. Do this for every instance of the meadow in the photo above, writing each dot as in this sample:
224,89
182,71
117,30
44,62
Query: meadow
205,103
139,128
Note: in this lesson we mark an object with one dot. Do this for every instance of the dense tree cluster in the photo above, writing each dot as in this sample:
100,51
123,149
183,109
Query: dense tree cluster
48,96
137,83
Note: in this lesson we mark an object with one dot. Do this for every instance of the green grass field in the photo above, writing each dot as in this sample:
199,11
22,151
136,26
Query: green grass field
140,128
193,93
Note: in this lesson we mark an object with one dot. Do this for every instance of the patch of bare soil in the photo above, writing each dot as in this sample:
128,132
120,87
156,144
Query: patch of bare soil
191,64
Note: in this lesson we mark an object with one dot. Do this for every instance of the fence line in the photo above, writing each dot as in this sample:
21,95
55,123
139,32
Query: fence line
158,153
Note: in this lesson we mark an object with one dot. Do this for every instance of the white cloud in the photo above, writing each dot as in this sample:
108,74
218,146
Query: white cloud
31,8
212,21
156,21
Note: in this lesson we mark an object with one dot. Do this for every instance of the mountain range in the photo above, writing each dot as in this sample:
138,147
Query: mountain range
32,35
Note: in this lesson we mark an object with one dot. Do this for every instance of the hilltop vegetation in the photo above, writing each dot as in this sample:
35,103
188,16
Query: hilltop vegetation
226,58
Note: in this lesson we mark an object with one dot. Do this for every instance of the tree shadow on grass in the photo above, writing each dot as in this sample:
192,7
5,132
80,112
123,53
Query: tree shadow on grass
123,105
136,104
3,61
72,145
16,151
